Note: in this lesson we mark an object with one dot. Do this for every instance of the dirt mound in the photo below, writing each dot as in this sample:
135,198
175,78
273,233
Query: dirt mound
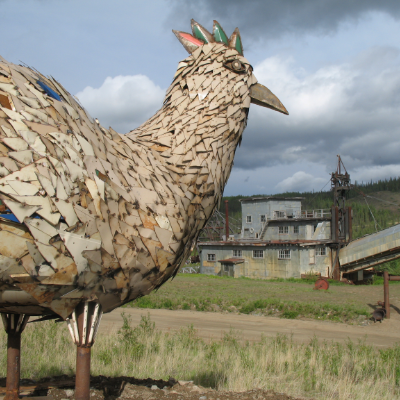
105,388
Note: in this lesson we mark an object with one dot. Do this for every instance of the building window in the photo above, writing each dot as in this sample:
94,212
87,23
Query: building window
263,218
258,253
284,255
283,229
295,229
279,214
211,257
248,219
256,235
320,251
237,253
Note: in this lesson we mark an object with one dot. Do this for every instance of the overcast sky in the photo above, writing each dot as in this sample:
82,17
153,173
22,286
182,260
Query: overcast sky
334,64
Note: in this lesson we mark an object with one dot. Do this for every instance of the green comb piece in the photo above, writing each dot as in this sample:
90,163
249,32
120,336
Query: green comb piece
219,34
238,45
235,41
199,34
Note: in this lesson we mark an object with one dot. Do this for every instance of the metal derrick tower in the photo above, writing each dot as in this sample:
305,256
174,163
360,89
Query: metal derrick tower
341,223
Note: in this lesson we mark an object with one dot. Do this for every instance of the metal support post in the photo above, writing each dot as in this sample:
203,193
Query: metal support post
226,220
14,324
386,293
83,325
336,266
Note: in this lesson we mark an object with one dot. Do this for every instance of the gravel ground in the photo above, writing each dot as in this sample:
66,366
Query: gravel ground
104,388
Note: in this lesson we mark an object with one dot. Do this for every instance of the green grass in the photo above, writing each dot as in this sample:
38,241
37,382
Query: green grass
317,369
378,280
291,298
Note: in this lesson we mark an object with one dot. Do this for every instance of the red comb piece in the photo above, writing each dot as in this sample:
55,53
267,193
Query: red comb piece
191,39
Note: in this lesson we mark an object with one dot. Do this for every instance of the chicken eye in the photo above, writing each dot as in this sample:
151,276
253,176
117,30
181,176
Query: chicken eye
235,65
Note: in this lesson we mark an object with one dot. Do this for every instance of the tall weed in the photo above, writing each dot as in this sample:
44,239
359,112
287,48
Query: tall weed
318,369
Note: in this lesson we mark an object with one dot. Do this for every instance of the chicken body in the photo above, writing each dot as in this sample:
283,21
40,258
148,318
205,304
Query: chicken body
104,216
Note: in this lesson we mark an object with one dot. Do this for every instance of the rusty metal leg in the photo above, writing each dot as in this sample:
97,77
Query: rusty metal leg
82,380
13,365
14,324
386,293
83,325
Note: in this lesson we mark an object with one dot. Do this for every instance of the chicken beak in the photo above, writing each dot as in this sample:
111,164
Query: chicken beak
262,96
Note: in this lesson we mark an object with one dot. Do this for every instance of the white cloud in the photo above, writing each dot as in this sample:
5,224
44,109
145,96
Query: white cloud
123,102
300,182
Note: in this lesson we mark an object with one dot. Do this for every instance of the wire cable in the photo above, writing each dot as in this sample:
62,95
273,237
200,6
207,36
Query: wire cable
385,201
375,221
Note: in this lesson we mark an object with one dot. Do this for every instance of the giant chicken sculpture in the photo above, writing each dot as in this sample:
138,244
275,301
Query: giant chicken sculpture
92,219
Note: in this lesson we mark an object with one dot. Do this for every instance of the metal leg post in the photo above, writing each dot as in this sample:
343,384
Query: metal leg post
14,324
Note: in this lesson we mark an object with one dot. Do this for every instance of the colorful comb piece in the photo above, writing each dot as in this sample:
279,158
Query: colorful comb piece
219,34
189,42
235,41
201,33
201,36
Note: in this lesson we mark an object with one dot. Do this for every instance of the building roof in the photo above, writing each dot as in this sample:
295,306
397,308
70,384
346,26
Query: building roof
298,219
232,261
271,198
263,243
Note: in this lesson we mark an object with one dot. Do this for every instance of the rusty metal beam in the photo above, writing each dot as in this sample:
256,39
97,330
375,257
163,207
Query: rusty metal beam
336,266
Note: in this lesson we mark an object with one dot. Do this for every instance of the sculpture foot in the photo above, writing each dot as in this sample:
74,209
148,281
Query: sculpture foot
83,325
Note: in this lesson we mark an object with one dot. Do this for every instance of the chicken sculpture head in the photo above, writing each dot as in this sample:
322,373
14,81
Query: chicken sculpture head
89,215
215,52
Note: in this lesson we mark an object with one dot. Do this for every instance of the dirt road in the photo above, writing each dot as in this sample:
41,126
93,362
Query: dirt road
213,325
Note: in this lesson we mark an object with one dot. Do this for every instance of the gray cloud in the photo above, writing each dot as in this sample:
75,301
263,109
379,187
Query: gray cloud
272,19
349,109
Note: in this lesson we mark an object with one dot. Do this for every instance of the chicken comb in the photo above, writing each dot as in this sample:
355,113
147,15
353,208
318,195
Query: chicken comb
202,36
